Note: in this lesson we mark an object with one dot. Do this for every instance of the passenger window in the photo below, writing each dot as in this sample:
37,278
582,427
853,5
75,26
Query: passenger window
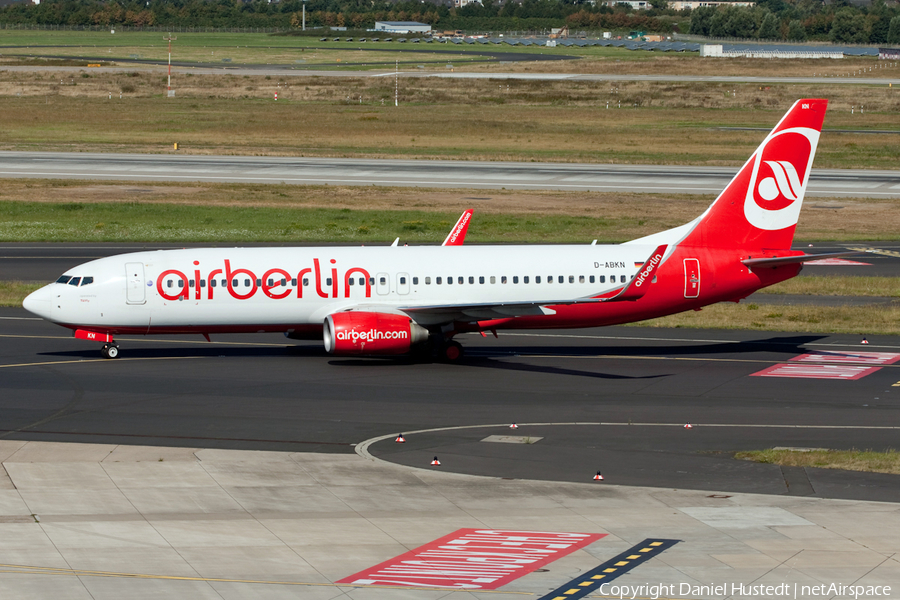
305,281
284,282
190,283
258,282
537,279
169,283
461,280
234,283
561,279
515,279
212,283
503,279
350,281
224,283
402,281
525,279
603,279
87,281
493,279
549,278
571,279
622,279
294,281
181,283
246,283
362,281
271,282
75,281
449,281
203,283
592,279
428,281
371,281
471,280
481,279
437,280
415,281
381,281
64,279
581,279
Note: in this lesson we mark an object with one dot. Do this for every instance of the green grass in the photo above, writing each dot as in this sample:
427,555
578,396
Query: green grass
108,222
13,292
849,460
835,285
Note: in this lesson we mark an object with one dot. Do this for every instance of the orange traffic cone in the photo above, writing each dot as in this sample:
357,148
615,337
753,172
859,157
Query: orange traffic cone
400,439
598,477
865,341
513,426
435,462
688,426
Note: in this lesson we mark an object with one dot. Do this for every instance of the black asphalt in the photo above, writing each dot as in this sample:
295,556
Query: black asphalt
633,389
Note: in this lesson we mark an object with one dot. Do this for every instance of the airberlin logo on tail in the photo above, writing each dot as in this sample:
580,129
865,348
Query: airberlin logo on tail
778,181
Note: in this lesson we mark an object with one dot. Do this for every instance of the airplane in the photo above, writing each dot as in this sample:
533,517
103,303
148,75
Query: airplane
402,299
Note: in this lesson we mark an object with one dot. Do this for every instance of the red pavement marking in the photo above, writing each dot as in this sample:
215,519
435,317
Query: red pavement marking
817,371
838,262
474,559
835,356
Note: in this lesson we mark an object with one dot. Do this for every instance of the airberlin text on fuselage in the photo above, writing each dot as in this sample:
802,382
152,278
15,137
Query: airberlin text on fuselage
203,288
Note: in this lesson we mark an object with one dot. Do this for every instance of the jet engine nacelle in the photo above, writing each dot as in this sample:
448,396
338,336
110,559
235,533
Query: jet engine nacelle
371,333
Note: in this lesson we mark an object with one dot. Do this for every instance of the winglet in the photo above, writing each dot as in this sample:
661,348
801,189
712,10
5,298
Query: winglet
458,234
641,282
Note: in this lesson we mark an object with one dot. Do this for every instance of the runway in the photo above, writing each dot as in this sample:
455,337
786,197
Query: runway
413,173
613,399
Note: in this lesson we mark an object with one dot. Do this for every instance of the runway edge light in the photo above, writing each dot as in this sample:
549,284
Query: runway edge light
688,426
513,426
598,477
435,462
400,439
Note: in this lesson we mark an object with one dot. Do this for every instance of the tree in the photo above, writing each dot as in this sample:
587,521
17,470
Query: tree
796,31
741,24
893,36
769,29
700,18
849,27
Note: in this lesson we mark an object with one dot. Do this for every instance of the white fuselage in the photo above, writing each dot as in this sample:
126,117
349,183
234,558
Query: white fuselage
278,289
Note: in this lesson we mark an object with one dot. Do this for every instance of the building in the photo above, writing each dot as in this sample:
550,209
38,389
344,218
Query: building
402,27
889,53
692,4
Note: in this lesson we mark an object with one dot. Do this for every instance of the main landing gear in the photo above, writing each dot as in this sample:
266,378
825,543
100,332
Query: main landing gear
110,351
450,351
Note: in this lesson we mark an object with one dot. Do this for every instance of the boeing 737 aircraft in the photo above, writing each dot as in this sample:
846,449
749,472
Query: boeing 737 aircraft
393,300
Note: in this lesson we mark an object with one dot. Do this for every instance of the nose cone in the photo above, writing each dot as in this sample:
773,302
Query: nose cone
38,302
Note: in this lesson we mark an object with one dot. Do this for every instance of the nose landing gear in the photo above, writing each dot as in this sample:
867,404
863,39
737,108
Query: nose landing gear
110,351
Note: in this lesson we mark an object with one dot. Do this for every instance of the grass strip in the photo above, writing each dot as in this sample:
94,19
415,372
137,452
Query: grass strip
848,460
837,285
859,320
13,292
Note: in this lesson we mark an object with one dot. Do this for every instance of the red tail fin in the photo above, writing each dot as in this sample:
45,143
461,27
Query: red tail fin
457,235
760,207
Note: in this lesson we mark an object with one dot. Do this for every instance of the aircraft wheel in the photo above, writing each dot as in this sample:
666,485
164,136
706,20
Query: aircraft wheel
452,351
110,351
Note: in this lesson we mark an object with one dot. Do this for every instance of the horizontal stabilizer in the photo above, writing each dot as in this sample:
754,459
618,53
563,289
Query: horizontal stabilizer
777,261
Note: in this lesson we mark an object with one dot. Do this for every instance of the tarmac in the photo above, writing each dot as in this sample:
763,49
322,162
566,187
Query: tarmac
98,521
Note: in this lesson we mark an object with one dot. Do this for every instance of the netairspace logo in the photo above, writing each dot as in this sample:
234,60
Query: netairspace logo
790,591
371,335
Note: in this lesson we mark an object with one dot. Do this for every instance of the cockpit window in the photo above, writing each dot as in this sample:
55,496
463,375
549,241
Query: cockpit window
75,281
64,279
86,281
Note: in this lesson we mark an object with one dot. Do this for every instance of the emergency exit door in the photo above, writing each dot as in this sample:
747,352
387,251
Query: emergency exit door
691,278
